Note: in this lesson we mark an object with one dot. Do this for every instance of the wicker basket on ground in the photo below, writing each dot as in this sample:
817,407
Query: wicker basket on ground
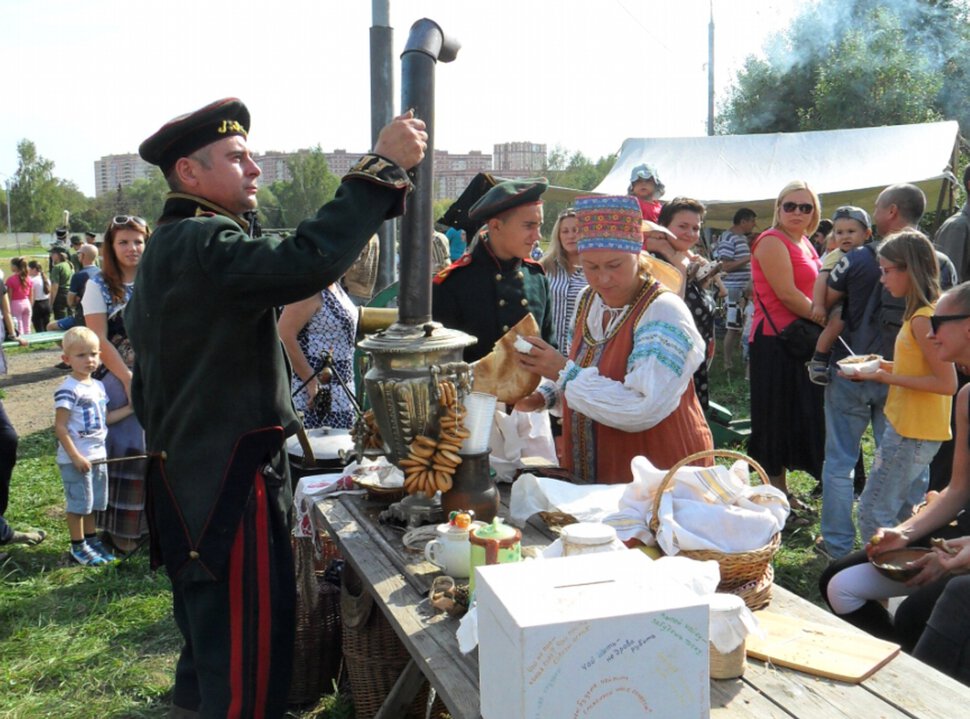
747,574
373,654
317,646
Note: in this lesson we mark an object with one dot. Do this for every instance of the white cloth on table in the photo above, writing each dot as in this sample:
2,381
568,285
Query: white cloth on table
518,435
585,502
667,350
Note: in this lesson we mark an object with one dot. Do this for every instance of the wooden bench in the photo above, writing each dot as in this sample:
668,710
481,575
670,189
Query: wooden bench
35,338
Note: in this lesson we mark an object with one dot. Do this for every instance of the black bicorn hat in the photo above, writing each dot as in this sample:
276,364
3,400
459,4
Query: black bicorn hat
457,214
187,133
506,196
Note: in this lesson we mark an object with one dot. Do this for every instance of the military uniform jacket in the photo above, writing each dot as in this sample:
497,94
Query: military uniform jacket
485,297
210,372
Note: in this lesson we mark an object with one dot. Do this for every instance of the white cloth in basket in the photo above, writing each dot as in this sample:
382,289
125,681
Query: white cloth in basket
704,508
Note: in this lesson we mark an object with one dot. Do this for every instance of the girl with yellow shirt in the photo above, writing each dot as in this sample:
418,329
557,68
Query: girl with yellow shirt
921,388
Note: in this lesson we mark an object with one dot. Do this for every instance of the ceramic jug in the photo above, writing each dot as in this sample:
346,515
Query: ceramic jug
494,543
450,550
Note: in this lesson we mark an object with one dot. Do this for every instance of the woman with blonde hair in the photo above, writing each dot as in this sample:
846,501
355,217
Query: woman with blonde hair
787,422
565,274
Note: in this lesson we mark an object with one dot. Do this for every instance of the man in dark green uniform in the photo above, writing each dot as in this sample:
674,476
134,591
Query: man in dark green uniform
211,388
60,276
487,291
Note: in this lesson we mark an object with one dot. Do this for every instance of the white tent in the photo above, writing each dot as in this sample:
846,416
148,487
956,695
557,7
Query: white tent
727,172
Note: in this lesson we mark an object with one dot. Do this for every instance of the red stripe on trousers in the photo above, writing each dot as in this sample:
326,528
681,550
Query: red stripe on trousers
236,627
263,653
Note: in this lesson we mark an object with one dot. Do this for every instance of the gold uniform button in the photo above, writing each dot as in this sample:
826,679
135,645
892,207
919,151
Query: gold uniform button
525,302
498,278
505,328
501,303
193,554
519,275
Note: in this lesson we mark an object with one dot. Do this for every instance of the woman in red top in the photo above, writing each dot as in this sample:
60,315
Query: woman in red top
21,291
787,421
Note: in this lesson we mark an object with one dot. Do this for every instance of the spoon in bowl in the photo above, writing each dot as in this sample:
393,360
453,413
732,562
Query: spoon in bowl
846,344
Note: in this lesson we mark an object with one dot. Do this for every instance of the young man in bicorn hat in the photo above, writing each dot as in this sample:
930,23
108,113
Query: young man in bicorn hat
211,388
488,290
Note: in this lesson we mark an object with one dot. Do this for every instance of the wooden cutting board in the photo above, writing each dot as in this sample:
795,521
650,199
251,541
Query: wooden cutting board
818,649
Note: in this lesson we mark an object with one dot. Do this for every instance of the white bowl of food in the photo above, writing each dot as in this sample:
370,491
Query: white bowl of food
859,364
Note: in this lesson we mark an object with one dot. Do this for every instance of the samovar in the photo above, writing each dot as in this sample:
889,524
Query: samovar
406,361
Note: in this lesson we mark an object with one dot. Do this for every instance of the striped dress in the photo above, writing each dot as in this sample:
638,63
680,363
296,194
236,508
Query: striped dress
564,289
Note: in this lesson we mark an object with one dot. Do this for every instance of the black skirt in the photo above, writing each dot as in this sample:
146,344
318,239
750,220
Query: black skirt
787,415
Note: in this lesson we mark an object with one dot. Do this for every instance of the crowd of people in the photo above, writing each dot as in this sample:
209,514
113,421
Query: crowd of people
632,302
625,298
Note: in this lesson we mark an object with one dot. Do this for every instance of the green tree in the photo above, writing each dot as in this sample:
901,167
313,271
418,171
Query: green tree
856,64
575,171
312,186
35,195
872,80
270,210
145,197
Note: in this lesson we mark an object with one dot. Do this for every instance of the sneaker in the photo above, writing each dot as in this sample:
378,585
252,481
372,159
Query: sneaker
83,554
818,372
30,538
98,547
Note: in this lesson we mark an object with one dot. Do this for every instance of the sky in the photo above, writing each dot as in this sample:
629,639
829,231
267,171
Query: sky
93,78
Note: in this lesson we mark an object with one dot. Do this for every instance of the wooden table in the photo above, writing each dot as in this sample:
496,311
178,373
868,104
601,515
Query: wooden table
399,580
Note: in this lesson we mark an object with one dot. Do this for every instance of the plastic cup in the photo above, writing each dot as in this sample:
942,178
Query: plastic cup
480,413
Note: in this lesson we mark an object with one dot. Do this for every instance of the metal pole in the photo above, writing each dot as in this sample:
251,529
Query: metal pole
381,113
9,224
427,44
710,73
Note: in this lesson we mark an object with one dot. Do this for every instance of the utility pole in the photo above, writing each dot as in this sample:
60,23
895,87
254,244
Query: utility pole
381,113
6,183
710,73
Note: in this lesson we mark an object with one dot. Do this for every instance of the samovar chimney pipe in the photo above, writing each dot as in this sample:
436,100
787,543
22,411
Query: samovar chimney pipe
427,44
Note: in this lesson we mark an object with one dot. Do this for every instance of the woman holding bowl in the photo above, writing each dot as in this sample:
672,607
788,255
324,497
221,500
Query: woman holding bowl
625,389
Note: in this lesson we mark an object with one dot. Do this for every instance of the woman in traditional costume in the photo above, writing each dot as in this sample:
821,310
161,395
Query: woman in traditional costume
625,389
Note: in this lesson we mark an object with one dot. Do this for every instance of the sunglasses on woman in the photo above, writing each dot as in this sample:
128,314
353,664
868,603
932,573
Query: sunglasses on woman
937,321
121,220
568,212
804,207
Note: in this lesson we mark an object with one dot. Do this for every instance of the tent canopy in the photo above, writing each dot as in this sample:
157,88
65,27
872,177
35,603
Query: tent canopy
845,167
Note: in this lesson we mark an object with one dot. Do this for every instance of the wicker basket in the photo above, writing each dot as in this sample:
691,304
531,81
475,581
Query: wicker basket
374,656
747,574
316,648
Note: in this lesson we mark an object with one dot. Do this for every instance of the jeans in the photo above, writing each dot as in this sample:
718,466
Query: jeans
849,408
899,478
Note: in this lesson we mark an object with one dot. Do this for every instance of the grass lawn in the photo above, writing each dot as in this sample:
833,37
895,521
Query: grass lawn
78,642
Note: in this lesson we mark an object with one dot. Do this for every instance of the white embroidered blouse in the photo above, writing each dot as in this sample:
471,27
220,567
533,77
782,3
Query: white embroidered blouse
667,349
